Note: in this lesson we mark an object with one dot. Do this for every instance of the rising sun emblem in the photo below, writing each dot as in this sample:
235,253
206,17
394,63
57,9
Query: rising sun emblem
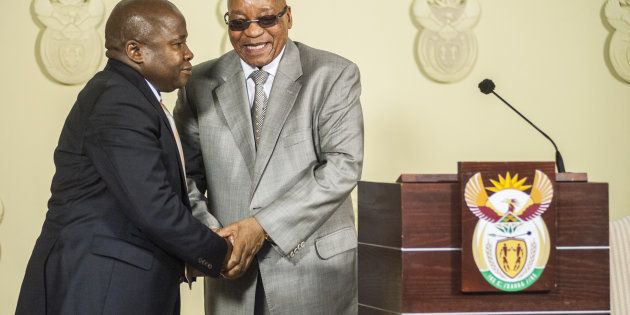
511,242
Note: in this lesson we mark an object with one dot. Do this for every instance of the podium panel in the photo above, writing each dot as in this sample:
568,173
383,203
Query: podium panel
410,251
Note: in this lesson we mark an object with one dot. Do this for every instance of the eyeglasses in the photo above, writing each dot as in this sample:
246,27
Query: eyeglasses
266,21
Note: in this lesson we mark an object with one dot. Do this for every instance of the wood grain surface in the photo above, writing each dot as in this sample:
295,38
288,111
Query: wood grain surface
425,216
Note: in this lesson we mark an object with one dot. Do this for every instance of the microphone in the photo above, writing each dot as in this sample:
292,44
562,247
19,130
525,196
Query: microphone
487,86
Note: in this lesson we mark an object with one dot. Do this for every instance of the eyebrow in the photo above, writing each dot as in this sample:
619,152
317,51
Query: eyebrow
178,37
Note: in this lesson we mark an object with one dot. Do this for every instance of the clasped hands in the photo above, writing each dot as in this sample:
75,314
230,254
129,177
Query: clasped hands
246,237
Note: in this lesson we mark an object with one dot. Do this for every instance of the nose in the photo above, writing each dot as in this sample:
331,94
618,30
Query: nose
254,30
188,54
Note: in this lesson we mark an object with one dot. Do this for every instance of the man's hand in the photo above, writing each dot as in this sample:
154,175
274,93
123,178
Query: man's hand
247,236
194,272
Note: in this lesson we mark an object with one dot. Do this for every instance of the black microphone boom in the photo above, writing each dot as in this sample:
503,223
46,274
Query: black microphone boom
487,86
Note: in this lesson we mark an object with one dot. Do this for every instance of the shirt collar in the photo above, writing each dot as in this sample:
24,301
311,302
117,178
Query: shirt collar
155,92
270,68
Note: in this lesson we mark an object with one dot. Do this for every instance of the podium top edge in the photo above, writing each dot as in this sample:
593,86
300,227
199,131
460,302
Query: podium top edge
571,177
427,178
453,178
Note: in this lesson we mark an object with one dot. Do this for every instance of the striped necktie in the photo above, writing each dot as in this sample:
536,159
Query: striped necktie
260,103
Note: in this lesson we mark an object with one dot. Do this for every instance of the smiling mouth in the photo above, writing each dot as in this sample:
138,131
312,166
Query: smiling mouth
255,47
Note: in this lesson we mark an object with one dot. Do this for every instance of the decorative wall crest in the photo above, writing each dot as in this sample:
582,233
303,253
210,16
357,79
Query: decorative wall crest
446,47
618,15
70,48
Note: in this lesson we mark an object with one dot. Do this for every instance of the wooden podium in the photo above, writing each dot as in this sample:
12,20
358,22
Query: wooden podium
410,248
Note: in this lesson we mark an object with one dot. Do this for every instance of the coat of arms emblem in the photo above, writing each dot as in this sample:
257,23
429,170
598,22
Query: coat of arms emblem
511,242
70,48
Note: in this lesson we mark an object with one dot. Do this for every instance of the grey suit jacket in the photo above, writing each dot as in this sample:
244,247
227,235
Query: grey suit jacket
297,185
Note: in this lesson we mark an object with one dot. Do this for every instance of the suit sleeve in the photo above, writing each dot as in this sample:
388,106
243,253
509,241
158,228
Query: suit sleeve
294,216
188,127
123,142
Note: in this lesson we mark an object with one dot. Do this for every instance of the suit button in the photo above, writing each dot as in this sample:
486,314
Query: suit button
209,265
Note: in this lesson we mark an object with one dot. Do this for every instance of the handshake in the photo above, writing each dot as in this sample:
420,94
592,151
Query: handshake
244,239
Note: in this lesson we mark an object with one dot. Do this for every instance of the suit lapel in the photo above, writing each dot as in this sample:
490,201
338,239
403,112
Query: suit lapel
231,98
281,100
139,81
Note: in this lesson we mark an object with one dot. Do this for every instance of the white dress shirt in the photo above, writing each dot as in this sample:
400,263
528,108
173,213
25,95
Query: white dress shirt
271,68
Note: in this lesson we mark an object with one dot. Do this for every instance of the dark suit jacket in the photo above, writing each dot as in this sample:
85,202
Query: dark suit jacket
119,226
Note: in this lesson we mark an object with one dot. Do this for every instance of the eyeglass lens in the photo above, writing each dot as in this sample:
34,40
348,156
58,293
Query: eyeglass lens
263,21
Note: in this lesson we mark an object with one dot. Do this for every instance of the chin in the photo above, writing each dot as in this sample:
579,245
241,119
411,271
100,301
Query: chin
180,83
258,60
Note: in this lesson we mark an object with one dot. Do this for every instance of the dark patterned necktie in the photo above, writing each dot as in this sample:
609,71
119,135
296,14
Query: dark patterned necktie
260,103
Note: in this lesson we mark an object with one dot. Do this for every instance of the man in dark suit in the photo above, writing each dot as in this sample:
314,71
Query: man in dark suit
119,230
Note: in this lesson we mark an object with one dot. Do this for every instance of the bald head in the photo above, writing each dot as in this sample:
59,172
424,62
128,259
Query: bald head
278,2
150,37
281,3
135,20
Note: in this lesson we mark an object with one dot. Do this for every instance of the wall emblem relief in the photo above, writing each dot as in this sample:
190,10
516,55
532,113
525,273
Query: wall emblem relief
446,48
70,47
617,14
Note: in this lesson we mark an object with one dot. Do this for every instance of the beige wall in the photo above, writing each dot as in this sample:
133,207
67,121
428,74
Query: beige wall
547,58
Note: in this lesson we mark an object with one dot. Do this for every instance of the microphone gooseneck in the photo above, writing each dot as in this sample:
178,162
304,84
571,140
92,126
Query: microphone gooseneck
487,86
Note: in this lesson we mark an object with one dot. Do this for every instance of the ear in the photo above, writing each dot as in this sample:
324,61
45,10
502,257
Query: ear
133,50
289,18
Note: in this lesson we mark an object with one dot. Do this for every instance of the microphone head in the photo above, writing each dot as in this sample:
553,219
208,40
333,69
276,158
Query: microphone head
486,86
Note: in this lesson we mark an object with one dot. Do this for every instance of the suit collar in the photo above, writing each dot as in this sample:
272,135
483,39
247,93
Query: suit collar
154,90
291,64
140,82
134,77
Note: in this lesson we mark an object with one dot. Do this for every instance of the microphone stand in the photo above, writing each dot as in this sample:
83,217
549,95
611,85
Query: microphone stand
487,86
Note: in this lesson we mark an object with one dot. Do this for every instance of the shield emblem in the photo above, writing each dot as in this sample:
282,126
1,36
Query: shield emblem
511,254
72,56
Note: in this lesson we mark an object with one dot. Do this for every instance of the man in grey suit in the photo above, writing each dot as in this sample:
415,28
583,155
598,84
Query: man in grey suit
273,133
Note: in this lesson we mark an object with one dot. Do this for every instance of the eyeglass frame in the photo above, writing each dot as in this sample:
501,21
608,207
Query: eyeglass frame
249,22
